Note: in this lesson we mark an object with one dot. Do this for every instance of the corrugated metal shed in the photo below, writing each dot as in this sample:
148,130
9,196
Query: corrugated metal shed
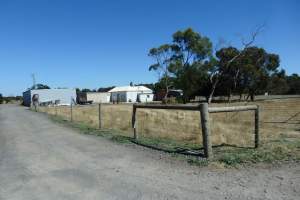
62,96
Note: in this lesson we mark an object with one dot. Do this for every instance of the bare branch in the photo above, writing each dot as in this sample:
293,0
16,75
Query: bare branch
221,43
254,34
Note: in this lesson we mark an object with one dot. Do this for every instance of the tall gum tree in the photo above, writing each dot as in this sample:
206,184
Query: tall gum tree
188,53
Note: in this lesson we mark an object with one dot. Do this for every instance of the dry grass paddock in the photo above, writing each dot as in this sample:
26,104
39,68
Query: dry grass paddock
277,117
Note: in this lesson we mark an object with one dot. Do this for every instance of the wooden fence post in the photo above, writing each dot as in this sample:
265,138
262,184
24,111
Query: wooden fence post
71,112
100,125
135,136
205,130
256,131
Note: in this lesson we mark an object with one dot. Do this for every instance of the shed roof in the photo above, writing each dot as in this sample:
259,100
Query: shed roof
131,89
53,89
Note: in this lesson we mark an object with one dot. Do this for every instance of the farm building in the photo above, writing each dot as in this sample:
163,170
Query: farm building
50,96
93,97
131,94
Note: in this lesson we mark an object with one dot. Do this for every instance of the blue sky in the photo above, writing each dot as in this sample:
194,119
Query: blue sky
91,44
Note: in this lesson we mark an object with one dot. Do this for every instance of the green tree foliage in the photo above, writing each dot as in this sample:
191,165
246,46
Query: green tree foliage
226,72
86,90
187,55
40,86
1,98
163,58
293,82
188,63
256,67
105,89
278,83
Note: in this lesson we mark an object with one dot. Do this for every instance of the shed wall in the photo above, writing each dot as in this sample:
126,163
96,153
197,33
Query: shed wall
64,95
146,97
98,97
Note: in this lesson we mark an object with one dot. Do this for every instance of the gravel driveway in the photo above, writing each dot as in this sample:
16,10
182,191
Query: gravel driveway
40,159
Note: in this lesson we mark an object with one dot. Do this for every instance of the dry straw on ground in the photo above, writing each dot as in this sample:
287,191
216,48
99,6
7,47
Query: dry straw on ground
237,128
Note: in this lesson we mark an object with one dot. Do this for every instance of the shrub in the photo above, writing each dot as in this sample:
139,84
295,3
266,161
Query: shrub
1,99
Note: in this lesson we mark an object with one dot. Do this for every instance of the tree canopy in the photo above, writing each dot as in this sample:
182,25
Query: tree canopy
40,86
190,63
1,98
175,62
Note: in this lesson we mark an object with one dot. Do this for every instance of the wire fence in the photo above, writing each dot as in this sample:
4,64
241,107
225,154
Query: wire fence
279,116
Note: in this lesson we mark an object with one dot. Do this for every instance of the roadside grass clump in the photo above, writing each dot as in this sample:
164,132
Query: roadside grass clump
282,149
198,162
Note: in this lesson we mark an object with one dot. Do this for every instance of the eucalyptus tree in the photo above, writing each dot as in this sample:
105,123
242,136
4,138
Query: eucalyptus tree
1,98
257,67
184,61
163,57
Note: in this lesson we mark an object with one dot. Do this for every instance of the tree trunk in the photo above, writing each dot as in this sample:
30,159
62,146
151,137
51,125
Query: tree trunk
252,96
212,92
229,96
167,87
240,97
167,91
248,96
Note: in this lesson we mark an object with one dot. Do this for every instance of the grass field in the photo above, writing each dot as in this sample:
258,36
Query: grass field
285,148
175,131
276,117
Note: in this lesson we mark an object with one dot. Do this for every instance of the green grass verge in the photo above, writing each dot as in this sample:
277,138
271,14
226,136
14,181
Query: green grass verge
275,151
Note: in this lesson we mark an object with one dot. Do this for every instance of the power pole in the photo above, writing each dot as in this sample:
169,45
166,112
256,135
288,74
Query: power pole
33,81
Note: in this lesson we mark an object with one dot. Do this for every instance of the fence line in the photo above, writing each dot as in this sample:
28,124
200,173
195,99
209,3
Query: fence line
203,109
205,124
231,109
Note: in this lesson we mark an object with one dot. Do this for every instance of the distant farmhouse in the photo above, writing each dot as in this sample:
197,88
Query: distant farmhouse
50,96
131,94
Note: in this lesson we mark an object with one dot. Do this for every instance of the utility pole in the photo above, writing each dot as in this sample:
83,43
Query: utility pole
33,80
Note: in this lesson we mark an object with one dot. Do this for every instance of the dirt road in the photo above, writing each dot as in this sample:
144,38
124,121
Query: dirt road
40,159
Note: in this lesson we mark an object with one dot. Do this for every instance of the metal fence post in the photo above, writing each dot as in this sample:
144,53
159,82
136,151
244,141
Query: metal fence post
205,130
100,124
256,131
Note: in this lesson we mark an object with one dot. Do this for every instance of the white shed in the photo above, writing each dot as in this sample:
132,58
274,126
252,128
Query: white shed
131,94
50,96
98,97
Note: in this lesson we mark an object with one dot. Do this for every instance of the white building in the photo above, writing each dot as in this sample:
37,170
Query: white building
95,97
131,94
50,96
98,97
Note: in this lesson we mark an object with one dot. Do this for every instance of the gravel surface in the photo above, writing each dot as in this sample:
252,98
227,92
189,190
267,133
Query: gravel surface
40,159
